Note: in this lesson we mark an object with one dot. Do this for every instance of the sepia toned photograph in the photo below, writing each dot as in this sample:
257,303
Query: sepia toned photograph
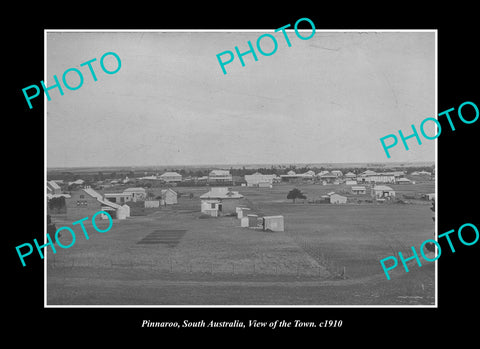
176,180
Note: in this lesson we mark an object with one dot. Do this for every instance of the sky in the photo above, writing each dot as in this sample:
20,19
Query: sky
326,99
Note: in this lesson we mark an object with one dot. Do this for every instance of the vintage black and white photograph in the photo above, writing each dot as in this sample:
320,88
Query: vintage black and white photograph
207,168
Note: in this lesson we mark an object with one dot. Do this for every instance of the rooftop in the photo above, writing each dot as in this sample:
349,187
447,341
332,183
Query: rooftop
170,174
53,184
219,173
129,190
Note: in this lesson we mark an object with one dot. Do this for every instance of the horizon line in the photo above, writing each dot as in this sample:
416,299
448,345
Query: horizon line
244,164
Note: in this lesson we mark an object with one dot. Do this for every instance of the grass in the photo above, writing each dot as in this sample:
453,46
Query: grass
218,262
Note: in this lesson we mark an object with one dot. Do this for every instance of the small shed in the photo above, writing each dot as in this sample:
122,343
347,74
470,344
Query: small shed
123,212
252,220
244,222
273,223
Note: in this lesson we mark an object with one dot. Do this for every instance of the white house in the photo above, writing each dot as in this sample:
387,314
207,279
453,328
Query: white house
220,199
259,180
338,199
171,177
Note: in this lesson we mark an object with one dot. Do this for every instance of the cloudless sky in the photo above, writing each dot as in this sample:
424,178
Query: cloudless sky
326,99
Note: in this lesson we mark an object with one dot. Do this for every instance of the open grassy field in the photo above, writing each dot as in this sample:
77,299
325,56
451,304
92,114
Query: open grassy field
172,257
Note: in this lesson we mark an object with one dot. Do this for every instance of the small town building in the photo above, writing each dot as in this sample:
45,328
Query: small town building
210,207
87,202
382,191
220,176
377,178
259,180
171,177
359,190
222,199
53,188
138,194
168,197
338,199
349,182
404,181
329,177
350,175
337,173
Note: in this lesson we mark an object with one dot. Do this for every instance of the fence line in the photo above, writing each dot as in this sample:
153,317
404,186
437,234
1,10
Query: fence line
188,267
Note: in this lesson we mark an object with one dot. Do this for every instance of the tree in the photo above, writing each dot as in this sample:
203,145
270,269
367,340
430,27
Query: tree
295,194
